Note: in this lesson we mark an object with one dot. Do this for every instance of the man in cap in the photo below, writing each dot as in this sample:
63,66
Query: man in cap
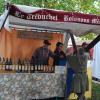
42,54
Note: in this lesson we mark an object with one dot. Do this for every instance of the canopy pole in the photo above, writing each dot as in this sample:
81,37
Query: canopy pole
73,41
93,43
6,8
67,36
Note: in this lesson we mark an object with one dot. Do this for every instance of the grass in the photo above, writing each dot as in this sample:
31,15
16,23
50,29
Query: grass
95,91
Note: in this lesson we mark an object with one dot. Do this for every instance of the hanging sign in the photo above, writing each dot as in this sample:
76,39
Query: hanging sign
54,15
34,35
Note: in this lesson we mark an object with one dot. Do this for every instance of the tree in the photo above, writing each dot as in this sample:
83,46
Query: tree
84,6
1,6
89,36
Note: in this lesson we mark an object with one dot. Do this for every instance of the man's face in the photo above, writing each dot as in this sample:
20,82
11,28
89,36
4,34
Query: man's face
47,46
60,47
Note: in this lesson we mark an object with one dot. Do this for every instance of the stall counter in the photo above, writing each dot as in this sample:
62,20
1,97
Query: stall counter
27,86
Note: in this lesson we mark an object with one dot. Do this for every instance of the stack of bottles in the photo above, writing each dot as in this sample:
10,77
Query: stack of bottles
24,66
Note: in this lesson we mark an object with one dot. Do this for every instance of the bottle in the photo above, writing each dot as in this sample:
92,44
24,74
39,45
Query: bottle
30,64
6,64
44,69
41,66
26,65
3,63
32,67
19,66
23,65
10,64
47,68
0,64
53,69
16,65
13,66
35,68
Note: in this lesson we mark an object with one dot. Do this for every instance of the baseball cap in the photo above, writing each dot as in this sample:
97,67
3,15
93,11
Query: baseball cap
46,42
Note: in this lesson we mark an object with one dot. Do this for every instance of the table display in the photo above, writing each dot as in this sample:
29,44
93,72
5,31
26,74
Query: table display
27,86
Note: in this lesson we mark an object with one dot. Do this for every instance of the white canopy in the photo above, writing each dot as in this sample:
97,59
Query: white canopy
96,61
21,16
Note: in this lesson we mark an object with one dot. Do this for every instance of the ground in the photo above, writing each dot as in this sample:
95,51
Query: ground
95,91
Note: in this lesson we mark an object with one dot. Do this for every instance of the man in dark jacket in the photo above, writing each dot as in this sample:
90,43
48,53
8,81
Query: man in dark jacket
59,55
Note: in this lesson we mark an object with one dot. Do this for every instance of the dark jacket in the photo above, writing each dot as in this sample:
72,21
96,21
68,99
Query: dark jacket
41,56
59,56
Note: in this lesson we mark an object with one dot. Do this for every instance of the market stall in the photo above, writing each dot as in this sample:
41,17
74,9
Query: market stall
29,27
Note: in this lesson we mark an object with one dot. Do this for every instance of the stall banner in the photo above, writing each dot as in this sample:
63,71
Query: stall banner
54,15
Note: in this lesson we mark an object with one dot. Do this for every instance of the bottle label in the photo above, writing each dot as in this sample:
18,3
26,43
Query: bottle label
19,67
26,68
23,68
10,67
13,67
16,67
7,67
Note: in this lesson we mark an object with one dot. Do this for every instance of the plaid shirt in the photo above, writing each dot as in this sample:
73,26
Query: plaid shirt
41,56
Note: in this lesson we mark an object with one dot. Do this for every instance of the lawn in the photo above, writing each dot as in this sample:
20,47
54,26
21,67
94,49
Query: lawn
95,91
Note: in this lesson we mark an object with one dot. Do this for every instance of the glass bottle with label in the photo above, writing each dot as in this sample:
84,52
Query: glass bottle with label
19,65
26,65
3,63
32,67
7,64
10,64
0,64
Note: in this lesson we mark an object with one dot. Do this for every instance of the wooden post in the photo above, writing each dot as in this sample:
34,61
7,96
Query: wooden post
73,42
93,43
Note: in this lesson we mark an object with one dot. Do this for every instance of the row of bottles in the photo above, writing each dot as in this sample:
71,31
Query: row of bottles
24,66
5,63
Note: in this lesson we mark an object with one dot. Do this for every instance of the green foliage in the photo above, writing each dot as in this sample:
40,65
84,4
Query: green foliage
1,6
83,6
89,36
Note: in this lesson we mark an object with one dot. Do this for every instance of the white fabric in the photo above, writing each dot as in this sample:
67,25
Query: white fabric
30,9
2,18
96,61
78,41
27,9
76,28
